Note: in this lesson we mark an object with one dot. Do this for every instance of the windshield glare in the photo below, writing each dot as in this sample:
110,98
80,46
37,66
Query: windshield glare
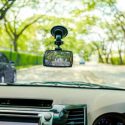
94,31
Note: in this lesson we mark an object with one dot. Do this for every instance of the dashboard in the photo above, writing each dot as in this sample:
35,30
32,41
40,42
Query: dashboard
36,105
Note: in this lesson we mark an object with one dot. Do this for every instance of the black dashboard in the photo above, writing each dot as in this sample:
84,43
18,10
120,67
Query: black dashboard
61,106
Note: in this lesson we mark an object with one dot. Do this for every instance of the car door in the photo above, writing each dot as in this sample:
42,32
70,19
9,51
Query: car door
1,65
8,72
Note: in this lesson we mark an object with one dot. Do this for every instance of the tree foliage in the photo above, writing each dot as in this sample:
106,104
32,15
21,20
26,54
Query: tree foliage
95,28
5,6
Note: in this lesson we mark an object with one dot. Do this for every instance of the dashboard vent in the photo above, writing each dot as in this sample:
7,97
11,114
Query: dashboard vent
77,116
36,103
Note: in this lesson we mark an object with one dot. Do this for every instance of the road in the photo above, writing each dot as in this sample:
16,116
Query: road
90,72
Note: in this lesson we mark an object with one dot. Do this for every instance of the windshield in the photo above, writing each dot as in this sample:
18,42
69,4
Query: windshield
94,31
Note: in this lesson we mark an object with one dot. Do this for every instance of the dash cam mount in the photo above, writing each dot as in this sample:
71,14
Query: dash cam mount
59,32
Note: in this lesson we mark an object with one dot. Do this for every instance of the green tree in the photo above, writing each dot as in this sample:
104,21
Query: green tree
14,30
5,6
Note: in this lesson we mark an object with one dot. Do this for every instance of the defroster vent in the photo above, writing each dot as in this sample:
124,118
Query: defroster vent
25,103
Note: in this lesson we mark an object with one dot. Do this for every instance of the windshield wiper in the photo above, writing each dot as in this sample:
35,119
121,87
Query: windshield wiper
72,84
76,85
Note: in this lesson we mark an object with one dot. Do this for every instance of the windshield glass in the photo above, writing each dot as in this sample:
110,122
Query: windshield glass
93,32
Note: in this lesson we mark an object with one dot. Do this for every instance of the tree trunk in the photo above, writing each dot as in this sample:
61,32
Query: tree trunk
107,59
108,56
120,56
100,56
15,46
111,58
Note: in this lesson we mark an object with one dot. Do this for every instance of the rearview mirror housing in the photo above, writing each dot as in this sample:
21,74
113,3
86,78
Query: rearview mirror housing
58,58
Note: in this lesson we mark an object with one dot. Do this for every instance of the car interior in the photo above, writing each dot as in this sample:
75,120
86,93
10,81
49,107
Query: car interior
50,105
58,102
61,105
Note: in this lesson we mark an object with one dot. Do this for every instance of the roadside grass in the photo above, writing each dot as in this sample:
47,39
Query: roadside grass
114,61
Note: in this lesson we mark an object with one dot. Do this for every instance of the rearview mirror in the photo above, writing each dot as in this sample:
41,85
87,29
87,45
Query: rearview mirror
58,58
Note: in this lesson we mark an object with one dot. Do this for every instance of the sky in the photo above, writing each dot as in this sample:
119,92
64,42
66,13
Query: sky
57,8
121,5
60,8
